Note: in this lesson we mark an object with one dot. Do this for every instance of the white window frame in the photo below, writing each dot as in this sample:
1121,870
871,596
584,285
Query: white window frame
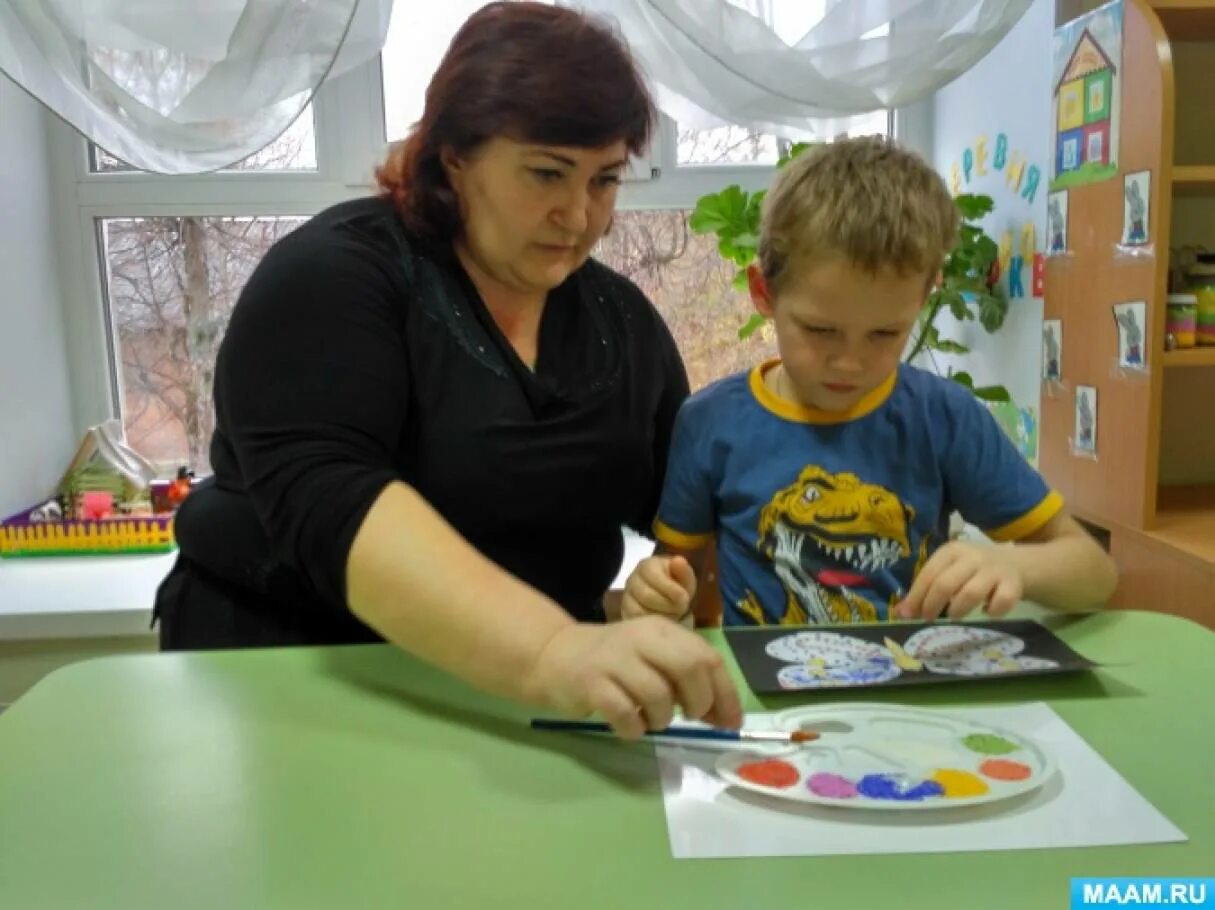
349,130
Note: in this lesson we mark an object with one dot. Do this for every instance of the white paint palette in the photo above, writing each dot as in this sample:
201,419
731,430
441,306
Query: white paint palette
889,757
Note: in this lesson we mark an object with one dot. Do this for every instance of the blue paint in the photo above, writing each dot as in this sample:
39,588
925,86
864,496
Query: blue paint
898,788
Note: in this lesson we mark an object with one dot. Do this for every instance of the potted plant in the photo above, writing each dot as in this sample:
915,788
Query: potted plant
969,288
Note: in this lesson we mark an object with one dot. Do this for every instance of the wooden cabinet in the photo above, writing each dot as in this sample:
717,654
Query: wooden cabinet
1152,482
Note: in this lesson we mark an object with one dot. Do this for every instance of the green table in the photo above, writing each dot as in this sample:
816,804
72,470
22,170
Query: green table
356,777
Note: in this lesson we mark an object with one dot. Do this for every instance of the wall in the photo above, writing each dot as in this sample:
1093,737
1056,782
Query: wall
36,432
1007,92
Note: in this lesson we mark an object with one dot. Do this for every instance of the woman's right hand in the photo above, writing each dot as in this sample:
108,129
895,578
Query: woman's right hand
633,675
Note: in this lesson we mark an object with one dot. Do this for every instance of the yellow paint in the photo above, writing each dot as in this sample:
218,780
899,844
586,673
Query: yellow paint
902,659
1071,105
955,178
959,784
981,156
1000,659
817,667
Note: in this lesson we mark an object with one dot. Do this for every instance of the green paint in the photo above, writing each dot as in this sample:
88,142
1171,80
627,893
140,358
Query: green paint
989,744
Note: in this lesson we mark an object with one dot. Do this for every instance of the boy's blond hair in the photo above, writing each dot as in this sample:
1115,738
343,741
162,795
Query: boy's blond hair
877,205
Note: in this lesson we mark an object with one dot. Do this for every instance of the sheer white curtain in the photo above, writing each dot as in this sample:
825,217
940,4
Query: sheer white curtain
801,68
183,86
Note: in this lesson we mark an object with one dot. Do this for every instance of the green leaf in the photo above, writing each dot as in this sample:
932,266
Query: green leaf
984,392
723,212
740,280
987,250
956,303
992,311
974,205
740,253
992,393
750,326
945,346
794,150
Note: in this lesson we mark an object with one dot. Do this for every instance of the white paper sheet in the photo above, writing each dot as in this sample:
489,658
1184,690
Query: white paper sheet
1086,803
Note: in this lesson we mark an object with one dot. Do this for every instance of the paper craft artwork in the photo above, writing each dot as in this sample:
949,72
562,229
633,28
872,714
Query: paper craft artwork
1085,439
1056,223
891,757
1131,319
1137,195
775,659
1086,69
1052,349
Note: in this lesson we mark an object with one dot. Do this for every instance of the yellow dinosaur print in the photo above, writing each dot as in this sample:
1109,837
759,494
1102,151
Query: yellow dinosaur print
828,537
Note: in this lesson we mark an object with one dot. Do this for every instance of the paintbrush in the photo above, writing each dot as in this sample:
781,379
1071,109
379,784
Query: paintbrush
685,732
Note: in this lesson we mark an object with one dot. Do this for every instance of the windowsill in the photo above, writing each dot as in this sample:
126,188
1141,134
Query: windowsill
79,596
108,596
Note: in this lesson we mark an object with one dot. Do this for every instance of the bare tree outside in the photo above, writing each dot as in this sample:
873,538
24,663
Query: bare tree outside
691,286
172,283
727,145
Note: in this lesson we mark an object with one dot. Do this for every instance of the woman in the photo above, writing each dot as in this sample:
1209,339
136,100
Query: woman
434,412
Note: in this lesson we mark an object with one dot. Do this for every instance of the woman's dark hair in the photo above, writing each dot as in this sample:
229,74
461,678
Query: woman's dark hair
527,71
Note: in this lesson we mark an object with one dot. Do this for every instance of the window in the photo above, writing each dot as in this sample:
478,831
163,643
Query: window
412,51
171,284
162,260
734,145
1095,145
691,286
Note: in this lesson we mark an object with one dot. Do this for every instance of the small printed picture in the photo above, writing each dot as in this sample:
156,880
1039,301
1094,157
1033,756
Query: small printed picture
1085,439
1056,223
1052,348
1137,191
1131,319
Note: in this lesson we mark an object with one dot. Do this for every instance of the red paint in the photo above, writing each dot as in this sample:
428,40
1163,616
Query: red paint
1005,769
1039,289
771,772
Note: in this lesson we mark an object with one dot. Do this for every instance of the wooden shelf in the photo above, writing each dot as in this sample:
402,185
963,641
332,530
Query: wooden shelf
1185,520
1187,20
1194,179
1190,357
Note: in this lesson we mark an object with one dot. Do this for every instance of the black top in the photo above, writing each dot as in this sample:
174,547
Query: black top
357,356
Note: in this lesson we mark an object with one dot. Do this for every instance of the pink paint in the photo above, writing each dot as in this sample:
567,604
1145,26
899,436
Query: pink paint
831,786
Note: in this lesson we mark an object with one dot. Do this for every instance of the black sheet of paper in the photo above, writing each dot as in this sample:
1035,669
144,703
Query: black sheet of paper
789,658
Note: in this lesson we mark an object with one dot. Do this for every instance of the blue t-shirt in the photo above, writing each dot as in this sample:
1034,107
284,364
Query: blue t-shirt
825,517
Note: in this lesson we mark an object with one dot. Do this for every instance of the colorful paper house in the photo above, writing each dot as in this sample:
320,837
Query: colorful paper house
1084,102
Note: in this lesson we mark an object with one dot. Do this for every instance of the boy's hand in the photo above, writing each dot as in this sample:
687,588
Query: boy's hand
961,576
663,585
633,674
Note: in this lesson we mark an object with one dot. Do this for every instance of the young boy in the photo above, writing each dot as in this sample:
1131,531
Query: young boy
828,475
